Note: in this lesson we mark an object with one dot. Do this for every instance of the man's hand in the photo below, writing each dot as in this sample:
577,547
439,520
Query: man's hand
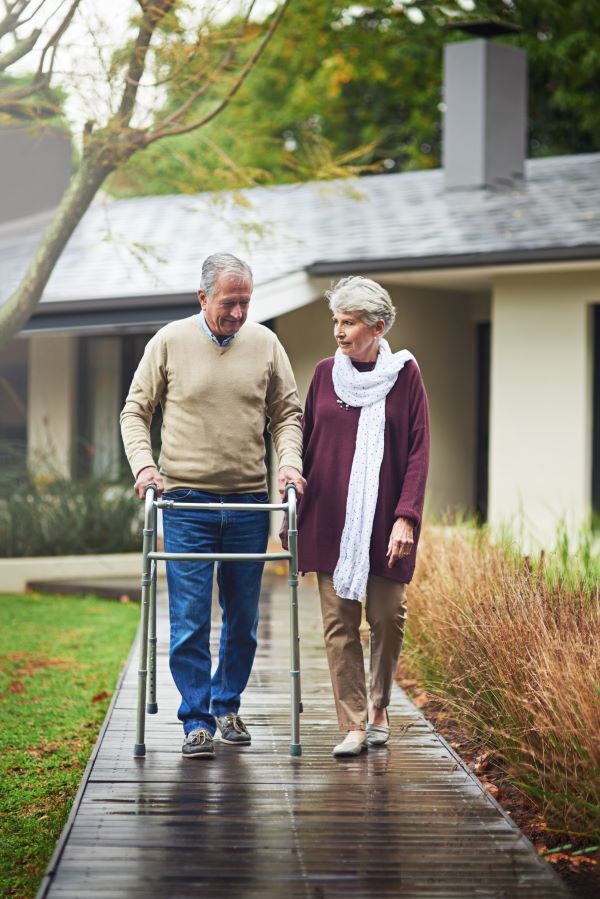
401,541
289,475
145,478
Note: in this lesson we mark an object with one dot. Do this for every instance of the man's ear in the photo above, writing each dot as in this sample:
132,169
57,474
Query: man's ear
201,298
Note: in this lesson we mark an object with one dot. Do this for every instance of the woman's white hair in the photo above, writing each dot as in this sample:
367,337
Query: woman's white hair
366,298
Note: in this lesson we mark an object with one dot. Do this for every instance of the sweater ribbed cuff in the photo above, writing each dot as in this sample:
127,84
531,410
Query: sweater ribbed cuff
291,459
140,461
410,514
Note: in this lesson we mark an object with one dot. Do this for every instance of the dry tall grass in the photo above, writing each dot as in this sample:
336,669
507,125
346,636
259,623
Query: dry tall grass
514,647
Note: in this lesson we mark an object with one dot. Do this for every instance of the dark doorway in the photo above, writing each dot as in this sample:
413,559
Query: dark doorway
13,402
483,419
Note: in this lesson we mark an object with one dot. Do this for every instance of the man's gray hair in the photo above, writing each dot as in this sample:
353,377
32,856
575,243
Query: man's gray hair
366,298
220,263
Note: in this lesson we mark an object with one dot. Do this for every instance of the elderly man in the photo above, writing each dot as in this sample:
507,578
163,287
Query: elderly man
219,381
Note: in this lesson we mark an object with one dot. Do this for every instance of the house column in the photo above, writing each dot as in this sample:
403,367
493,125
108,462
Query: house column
105,399
541,405
51,404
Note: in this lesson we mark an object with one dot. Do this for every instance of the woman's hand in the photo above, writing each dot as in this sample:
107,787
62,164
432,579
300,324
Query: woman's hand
283,533
401,541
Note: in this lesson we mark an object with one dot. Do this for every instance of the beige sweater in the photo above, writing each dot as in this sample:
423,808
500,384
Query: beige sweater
215,403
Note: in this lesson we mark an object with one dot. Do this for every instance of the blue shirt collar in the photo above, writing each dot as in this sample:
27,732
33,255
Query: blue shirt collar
210,334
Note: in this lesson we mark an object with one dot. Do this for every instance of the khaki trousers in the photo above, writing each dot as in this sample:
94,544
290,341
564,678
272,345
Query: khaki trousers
386,615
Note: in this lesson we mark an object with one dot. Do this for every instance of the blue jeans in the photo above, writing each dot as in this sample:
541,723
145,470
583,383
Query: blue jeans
190,594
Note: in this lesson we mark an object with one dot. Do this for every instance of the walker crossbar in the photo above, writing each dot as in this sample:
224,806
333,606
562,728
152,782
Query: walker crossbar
150,557
219,557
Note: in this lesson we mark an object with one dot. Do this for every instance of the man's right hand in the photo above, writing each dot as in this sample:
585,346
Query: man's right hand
145,478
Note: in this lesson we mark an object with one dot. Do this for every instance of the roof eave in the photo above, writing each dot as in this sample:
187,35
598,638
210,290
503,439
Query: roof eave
327,267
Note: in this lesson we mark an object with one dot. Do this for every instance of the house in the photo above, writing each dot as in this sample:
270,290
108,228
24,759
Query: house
492,261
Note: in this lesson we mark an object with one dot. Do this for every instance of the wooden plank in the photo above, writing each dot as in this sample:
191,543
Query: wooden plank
405,820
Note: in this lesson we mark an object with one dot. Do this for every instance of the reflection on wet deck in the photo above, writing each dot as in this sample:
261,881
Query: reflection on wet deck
255,823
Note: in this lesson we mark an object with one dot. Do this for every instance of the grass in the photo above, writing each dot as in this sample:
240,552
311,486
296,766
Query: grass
511,646
59,661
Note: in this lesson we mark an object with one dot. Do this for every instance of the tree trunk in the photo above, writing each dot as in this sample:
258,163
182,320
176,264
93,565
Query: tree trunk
15,312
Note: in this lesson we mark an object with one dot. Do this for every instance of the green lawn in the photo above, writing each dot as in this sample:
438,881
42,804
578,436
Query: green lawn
59,661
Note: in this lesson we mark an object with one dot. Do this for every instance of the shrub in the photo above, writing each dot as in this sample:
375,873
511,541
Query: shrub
512,645
51,515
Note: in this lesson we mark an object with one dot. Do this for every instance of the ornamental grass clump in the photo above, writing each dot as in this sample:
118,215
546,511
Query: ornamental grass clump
512,645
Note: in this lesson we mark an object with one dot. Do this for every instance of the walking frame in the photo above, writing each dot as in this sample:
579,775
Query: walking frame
150,559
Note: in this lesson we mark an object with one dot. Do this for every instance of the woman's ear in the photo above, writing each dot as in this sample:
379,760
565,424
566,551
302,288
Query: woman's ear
379,328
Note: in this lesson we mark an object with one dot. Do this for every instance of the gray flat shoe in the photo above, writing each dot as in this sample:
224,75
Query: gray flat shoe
347,749
378,734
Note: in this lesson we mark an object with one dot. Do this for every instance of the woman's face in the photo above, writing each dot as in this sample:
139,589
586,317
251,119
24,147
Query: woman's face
355,338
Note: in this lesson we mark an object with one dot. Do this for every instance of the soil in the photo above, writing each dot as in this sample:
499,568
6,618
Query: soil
580,872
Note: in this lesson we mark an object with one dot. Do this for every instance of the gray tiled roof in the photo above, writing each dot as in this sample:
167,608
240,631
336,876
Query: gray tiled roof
155,245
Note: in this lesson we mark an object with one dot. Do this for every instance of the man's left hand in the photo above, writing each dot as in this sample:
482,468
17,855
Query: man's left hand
289,475
401,541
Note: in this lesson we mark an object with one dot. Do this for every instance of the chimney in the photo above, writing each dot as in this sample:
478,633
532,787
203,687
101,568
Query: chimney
485,115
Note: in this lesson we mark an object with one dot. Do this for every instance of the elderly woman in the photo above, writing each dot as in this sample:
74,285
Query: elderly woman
366,452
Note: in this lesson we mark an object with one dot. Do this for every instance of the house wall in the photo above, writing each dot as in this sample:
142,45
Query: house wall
51,407
541,404
438,327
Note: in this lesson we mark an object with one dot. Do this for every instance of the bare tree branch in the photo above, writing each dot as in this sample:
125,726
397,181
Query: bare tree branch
14,18
153,12
23,21
153,136
21,48
54,40
225,60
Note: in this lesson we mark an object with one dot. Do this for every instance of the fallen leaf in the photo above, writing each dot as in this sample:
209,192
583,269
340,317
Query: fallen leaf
17,686
492,789
100,697
421,700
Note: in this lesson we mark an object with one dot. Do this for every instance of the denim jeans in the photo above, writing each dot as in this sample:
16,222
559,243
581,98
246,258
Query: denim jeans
190,594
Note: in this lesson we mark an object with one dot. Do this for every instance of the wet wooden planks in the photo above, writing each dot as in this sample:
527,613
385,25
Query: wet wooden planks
405,821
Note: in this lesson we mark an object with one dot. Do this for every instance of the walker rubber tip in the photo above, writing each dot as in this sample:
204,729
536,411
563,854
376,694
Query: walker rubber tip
152,708
139,750
296,749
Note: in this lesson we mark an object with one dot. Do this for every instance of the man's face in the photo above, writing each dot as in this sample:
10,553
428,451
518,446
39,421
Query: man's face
227,310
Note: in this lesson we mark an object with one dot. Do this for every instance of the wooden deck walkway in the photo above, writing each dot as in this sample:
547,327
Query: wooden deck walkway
403,821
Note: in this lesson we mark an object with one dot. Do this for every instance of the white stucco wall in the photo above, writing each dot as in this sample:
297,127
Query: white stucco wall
51,403
438,327
541,404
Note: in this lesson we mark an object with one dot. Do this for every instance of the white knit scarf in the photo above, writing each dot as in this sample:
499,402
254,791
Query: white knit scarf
368,390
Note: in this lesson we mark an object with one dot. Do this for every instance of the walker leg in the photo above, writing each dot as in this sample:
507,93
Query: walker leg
139,748
152,705
295,691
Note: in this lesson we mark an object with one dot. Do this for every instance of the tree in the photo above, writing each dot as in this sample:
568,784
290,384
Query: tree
148,54
364,83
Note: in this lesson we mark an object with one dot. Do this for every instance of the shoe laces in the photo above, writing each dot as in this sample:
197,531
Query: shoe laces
198,737
237,723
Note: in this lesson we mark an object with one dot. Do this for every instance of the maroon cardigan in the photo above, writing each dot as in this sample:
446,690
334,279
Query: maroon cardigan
329,441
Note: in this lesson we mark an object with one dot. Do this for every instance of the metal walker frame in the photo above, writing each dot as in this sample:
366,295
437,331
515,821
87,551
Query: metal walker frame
150,559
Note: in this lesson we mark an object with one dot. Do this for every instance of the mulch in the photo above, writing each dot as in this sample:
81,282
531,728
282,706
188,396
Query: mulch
580,872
